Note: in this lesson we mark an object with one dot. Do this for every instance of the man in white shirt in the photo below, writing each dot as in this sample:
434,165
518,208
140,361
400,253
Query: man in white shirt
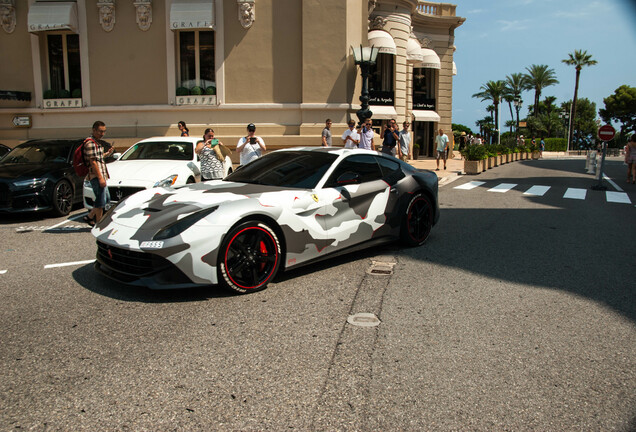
405,142
250,147
442,147
350,137
366,136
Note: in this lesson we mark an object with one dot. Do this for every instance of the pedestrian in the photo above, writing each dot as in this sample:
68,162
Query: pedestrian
185,132
94,158
541,147
462,141
405,142
326,134
350,137
442,147
391,137
477,140
209,151
630,159
366,136
250,147
534,143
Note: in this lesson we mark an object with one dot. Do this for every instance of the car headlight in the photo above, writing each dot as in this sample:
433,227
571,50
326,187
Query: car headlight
167,182
183,224
32,183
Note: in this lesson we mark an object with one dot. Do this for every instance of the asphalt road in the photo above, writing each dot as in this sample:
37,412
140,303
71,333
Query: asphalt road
518,313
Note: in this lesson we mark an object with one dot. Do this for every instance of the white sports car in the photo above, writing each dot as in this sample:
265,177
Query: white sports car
153,162
288,208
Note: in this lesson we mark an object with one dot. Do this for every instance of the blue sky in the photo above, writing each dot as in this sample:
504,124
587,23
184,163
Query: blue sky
501,37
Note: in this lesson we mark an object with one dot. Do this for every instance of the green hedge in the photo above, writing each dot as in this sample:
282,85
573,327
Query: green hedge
551,144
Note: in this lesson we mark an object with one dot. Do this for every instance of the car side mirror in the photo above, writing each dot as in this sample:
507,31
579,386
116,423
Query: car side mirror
348,178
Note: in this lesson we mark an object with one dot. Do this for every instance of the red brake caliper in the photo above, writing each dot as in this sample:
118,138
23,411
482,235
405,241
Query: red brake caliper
263,249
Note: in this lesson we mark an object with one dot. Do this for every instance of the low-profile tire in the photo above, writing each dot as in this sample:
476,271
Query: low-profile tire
418,220
62,198
249,257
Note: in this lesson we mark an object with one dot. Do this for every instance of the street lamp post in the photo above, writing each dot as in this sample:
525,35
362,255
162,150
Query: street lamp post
365,58
518,104
566,116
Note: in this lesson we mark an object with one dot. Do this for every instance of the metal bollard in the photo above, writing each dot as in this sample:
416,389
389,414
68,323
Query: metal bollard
592,165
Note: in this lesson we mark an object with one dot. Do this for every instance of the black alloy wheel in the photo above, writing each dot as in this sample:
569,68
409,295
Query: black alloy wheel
417,224
249,257
62,198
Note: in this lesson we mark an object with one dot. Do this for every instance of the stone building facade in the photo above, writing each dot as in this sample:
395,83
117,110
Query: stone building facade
286,65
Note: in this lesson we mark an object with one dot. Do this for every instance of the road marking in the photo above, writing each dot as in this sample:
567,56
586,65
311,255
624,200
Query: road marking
3,271
610,181
575,193
617,197
502,188
470,185
57,225
537,190
48,266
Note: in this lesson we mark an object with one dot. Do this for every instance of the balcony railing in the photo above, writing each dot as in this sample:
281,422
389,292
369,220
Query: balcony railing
436,9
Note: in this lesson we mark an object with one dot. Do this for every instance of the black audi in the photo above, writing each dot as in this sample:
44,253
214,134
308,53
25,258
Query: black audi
38,175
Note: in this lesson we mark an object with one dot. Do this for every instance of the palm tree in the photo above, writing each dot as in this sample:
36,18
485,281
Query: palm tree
578,60
515,84
494,91
538,78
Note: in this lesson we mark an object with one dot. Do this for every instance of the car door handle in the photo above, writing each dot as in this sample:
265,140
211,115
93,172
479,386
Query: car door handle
394,190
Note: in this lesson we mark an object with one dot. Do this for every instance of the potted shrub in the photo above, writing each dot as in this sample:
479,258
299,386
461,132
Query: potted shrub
416,151
491,152
182,91
77,93
196,91
210,90
474,156
535,151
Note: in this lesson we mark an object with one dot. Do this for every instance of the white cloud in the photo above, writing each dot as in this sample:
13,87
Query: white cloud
513,25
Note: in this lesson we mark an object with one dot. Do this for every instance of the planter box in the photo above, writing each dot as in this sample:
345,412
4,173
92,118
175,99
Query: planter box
535,155
472,167
484,164
501,159
495,160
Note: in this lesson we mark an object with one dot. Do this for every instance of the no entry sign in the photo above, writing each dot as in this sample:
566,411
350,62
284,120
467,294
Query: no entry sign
606,133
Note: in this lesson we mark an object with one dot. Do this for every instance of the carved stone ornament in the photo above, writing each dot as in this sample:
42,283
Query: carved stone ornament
378,23
7,15
144,13
372,5
246,12
106,10
425,42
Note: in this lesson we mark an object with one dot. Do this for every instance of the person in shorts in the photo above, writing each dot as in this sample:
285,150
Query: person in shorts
442,147
94,157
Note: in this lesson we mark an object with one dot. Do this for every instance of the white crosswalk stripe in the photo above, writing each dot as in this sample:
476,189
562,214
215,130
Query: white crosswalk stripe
502,188
470,185
617,197
575,193
539,190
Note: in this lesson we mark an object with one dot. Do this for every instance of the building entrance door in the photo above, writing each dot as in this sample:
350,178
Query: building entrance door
424,133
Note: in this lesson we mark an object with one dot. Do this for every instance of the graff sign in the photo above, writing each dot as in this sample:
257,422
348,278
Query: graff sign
63,103
196,100
191,25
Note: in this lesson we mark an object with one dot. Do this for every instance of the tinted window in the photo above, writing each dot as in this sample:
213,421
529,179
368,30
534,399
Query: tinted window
291,169
391,170
166,150
365,166
40,152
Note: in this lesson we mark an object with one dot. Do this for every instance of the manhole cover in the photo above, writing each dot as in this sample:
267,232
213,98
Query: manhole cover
363,319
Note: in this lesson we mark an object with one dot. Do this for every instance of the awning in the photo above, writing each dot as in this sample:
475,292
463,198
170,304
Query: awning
47,16
426,115
383,112
413,51
430,59
382,41
454,69
192,14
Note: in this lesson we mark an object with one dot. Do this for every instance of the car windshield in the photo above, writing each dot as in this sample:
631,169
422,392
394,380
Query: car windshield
38,152
290,169
166,150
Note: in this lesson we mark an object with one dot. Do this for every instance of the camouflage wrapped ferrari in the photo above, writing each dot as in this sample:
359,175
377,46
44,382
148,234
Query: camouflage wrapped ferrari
286,209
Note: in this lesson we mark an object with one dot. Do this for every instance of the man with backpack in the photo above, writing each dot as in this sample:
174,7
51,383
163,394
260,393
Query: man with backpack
97,172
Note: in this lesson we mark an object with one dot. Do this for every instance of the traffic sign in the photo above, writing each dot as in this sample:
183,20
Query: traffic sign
606,133
22,121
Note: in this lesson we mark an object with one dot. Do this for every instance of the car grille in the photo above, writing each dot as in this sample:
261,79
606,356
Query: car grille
117,193
130,264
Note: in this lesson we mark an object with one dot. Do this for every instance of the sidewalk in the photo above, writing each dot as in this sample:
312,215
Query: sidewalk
454,167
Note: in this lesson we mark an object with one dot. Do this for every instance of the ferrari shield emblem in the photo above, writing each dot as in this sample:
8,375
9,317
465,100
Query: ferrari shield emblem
315,197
